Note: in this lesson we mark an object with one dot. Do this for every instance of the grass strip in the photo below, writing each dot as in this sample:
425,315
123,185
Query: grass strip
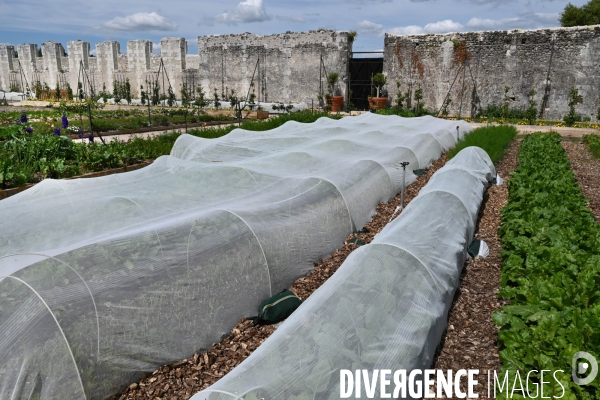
593,142
551,273
495,140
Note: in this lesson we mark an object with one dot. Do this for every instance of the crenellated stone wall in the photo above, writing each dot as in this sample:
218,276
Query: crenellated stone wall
288,69
549,61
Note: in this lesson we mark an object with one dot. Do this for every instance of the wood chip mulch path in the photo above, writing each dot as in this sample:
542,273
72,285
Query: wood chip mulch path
183,379
471,341
587,171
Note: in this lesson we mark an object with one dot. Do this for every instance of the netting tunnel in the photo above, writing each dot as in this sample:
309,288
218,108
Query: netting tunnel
386,307
104,279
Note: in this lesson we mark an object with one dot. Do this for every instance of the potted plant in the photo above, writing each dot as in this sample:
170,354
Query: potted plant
378,80
334,96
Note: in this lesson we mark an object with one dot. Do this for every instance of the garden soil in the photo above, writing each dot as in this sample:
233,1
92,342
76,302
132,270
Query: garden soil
587,171
182,379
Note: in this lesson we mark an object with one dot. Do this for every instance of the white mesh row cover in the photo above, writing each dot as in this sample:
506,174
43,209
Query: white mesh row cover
103,279
385,308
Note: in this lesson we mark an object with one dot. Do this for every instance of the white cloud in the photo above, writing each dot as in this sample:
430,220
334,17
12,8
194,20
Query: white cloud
547,17
444,26
486,23
140,22
369,28
246,11
525,21
407,30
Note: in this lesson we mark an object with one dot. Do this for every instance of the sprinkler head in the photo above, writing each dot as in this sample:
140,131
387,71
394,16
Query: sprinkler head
404,164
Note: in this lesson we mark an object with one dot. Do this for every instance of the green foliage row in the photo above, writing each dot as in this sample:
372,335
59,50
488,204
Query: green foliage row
29,158
593,142
495,140
551,269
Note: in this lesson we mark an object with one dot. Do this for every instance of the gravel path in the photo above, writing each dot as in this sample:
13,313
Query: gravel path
587,171
471,341
181,380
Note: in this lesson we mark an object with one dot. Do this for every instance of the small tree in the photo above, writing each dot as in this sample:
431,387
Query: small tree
117,92
598,112
418,98
531,112
379,80
37,88
57,91
399,96
445,106
69,92
46,90
332,80
216,102
104,94
350,105
171,99
142,95
127,90
573,97
186,95
252,98
156,94
201,100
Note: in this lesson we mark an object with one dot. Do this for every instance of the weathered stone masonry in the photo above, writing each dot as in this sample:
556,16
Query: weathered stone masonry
521,60
285,66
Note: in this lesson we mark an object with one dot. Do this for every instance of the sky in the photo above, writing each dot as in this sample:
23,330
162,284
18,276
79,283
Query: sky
37,21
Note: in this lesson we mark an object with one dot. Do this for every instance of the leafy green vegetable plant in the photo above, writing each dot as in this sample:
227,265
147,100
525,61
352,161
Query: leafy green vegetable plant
551,271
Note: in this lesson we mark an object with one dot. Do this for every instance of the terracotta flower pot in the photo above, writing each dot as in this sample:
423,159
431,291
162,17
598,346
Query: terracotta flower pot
370,100
336,103
379,103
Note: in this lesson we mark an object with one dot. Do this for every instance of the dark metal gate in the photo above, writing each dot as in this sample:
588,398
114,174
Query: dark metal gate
361,71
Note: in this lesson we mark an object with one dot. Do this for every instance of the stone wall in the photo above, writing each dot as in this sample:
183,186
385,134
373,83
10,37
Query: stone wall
549,61
285,66
288,69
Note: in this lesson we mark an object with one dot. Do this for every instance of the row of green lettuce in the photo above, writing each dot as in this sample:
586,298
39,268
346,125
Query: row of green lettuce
593,142
31,157
550,275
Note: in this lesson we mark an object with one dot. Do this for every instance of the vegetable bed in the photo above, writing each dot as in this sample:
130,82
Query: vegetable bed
31,157
551,264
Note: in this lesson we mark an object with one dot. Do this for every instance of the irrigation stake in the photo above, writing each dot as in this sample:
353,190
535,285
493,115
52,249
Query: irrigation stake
457,133
404,164
401,206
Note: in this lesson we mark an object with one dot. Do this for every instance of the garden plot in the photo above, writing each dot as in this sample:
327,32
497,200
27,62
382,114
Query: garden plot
386,306
108,277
